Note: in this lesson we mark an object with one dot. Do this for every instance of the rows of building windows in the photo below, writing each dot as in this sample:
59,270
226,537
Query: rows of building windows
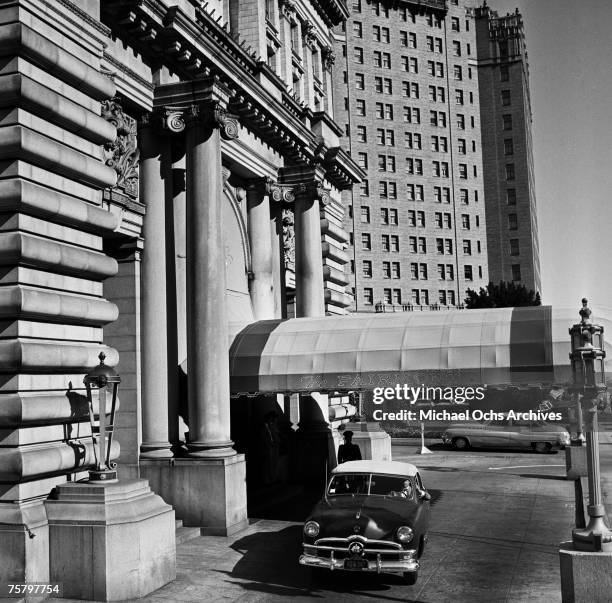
416,192
410,114
418,270
416,244
418,297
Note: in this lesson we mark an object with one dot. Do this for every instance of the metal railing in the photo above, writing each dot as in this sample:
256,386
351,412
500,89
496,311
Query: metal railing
382,307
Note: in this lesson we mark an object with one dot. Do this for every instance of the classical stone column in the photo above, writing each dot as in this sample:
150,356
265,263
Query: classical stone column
262,287
207,333
308,254
155,442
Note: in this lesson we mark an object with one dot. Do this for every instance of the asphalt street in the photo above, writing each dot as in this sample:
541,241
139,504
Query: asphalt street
497,521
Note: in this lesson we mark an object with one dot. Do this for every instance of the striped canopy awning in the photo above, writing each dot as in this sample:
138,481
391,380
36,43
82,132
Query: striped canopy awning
501,346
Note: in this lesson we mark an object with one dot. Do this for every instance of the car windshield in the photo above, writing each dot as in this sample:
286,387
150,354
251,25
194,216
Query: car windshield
352,484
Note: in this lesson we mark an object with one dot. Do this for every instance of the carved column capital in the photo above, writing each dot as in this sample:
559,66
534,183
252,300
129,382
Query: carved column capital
172,119
210,114
277,192
313,191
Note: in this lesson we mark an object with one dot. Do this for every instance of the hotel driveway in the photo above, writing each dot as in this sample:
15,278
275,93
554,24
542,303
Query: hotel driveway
497,521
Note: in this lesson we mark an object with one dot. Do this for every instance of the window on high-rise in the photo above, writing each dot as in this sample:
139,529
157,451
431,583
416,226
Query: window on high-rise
512,222
507,122
386,269
511,196
366,268
459,97
368,296
465,221
463,171
362,160
516,272
461,145
358,55
510,171
505,98
366,241
454,23
504,73
463,196
467,247
467,273
356,6
456,48
364,188
508,146
395,243
365,214
359,81
362,134
460,121
458,72
514,247
357,29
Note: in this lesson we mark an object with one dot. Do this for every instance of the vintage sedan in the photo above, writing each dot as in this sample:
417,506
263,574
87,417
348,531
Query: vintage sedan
540,436
374,517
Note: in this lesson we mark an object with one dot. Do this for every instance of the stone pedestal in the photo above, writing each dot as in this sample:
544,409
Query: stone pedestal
24,538
585,576
374,442
110,541
207,493
575,462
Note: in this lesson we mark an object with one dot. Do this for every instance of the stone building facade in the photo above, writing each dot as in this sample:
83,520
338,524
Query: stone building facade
170,169
509,181
407,94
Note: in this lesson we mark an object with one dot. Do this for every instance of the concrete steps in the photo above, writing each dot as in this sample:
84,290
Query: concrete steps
184,534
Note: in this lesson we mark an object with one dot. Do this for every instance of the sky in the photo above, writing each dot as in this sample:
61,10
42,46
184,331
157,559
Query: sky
570,59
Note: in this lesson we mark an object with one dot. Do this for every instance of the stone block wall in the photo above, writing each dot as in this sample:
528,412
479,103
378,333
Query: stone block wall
51,302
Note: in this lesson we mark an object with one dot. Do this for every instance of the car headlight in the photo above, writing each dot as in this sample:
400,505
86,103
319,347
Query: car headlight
404,534
311,529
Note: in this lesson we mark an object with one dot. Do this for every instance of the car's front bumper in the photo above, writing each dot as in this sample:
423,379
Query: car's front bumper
378,565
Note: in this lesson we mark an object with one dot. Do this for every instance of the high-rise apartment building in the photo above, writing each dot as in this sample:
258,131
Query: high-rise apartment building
505,109
406,91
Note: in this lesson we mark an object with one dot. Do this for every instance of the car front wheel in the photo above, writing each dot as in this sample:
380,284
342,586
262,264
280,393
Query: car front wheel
460,444
410,578
541,447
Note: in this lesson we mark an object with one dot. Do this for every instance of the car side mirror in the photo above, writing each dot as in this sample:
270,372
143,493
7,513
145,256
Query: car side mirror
424,495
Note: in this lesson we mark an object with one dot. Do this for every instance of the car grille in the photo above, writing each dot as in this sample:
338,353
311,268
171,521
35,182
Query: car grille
372,548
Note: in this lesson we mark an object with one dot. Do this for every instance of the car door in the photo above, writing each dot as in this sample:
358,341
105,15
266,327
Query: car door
520,434
496,434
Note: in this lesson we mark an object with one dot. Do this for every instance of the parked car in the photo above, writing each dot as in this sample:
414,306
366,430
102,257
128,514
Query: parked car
507,433
373,517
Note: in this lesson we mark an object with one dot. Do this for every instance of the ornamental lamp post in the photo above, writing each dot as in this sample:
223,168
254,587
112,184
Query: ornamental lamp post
587,361
106,380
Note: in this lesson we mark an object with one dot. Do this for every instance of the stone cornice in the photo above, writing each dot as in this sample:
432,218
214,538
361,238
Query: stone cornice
204,48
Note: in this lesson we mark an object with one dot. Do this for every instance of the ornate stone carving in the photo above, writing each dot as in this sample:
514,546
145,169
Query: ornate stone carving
288,238
287,8
122,154
329,58
173,119
308,35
